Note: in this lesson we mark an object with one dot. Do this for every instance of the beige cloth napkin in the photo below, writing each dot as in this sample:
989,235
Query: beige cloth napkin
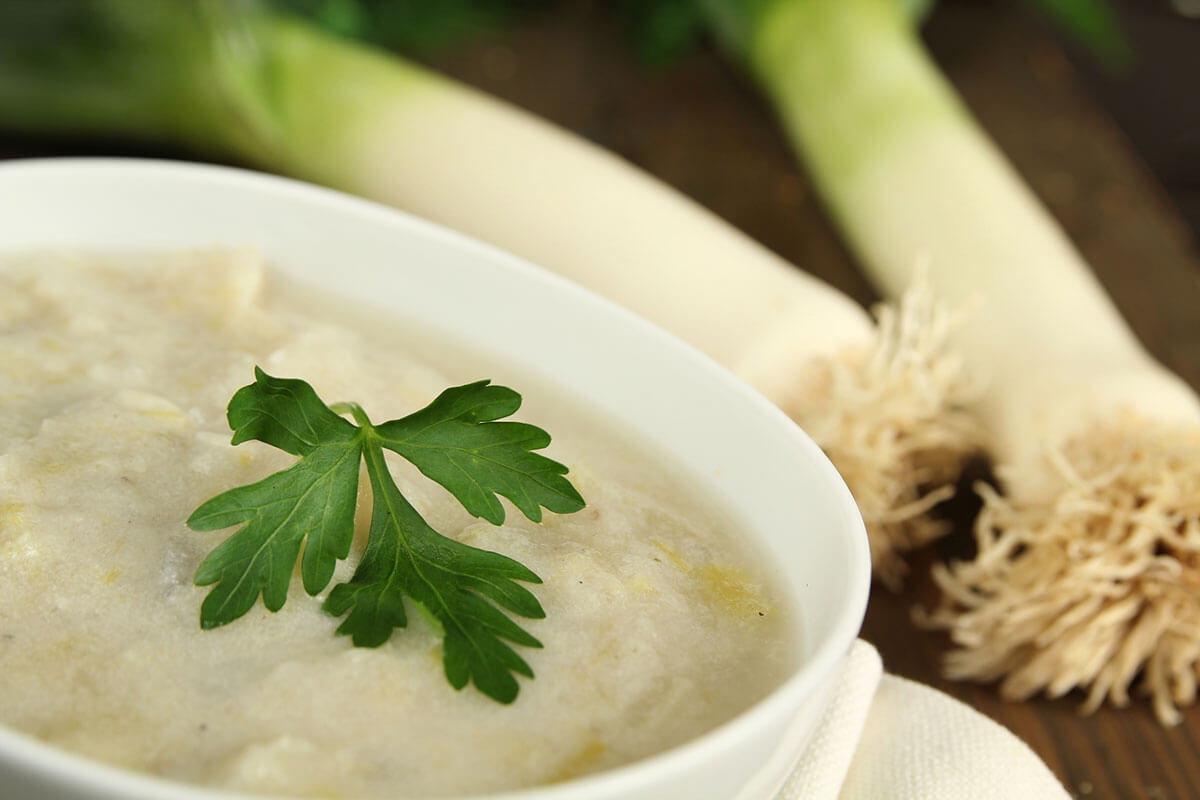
886,738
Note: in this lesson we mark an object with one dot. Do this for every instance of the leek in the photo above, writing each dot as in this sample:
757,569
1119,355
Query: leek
1088,566
883,397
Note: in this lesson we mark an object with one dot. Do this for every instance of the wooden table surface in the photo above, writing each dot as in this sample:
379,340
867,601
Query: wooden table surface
699,127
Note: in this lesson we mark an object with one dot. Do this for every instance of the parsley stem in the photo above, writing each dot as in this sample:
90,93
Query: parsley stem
354,410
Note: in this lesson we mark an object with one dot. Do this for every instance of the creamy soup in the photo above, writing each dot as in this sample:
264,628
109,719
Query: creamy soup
114,376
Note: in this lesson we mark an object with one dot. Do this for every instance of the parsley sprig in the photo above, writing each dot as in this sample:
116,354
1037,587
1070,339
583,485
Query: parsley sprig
455,441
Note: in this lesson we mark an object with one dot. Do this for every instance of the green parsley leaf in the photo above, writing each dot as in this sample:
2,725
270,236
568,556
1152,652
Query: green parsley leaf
455,441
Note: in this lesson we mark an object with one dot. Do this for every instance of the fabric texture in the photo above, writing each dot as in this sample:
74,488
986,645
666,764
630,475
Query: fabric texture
884,737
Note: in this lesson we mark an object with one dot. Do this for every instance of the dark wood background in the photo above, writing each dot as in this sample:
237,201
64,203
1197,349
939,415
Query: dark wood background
1124,195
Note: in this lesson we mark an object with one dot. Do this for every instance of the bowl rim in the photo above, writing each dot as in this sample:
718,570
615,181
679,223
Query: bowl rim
804,681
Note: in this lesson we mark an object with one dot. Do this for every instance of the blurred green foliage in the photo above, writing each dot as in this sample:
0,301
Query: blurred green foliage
660,30
412,26
1091,23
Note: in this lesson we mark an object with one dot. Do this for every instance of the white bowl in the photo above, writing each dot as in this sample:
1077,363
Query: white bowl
751,457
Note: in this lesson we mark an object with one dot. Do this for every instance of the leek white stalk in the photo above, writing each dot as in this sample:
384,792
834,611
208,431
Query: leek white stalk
1088,567
882,399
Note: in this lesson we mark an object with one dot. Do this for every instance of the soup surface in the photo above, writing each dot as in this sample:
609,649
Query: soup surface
115,371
